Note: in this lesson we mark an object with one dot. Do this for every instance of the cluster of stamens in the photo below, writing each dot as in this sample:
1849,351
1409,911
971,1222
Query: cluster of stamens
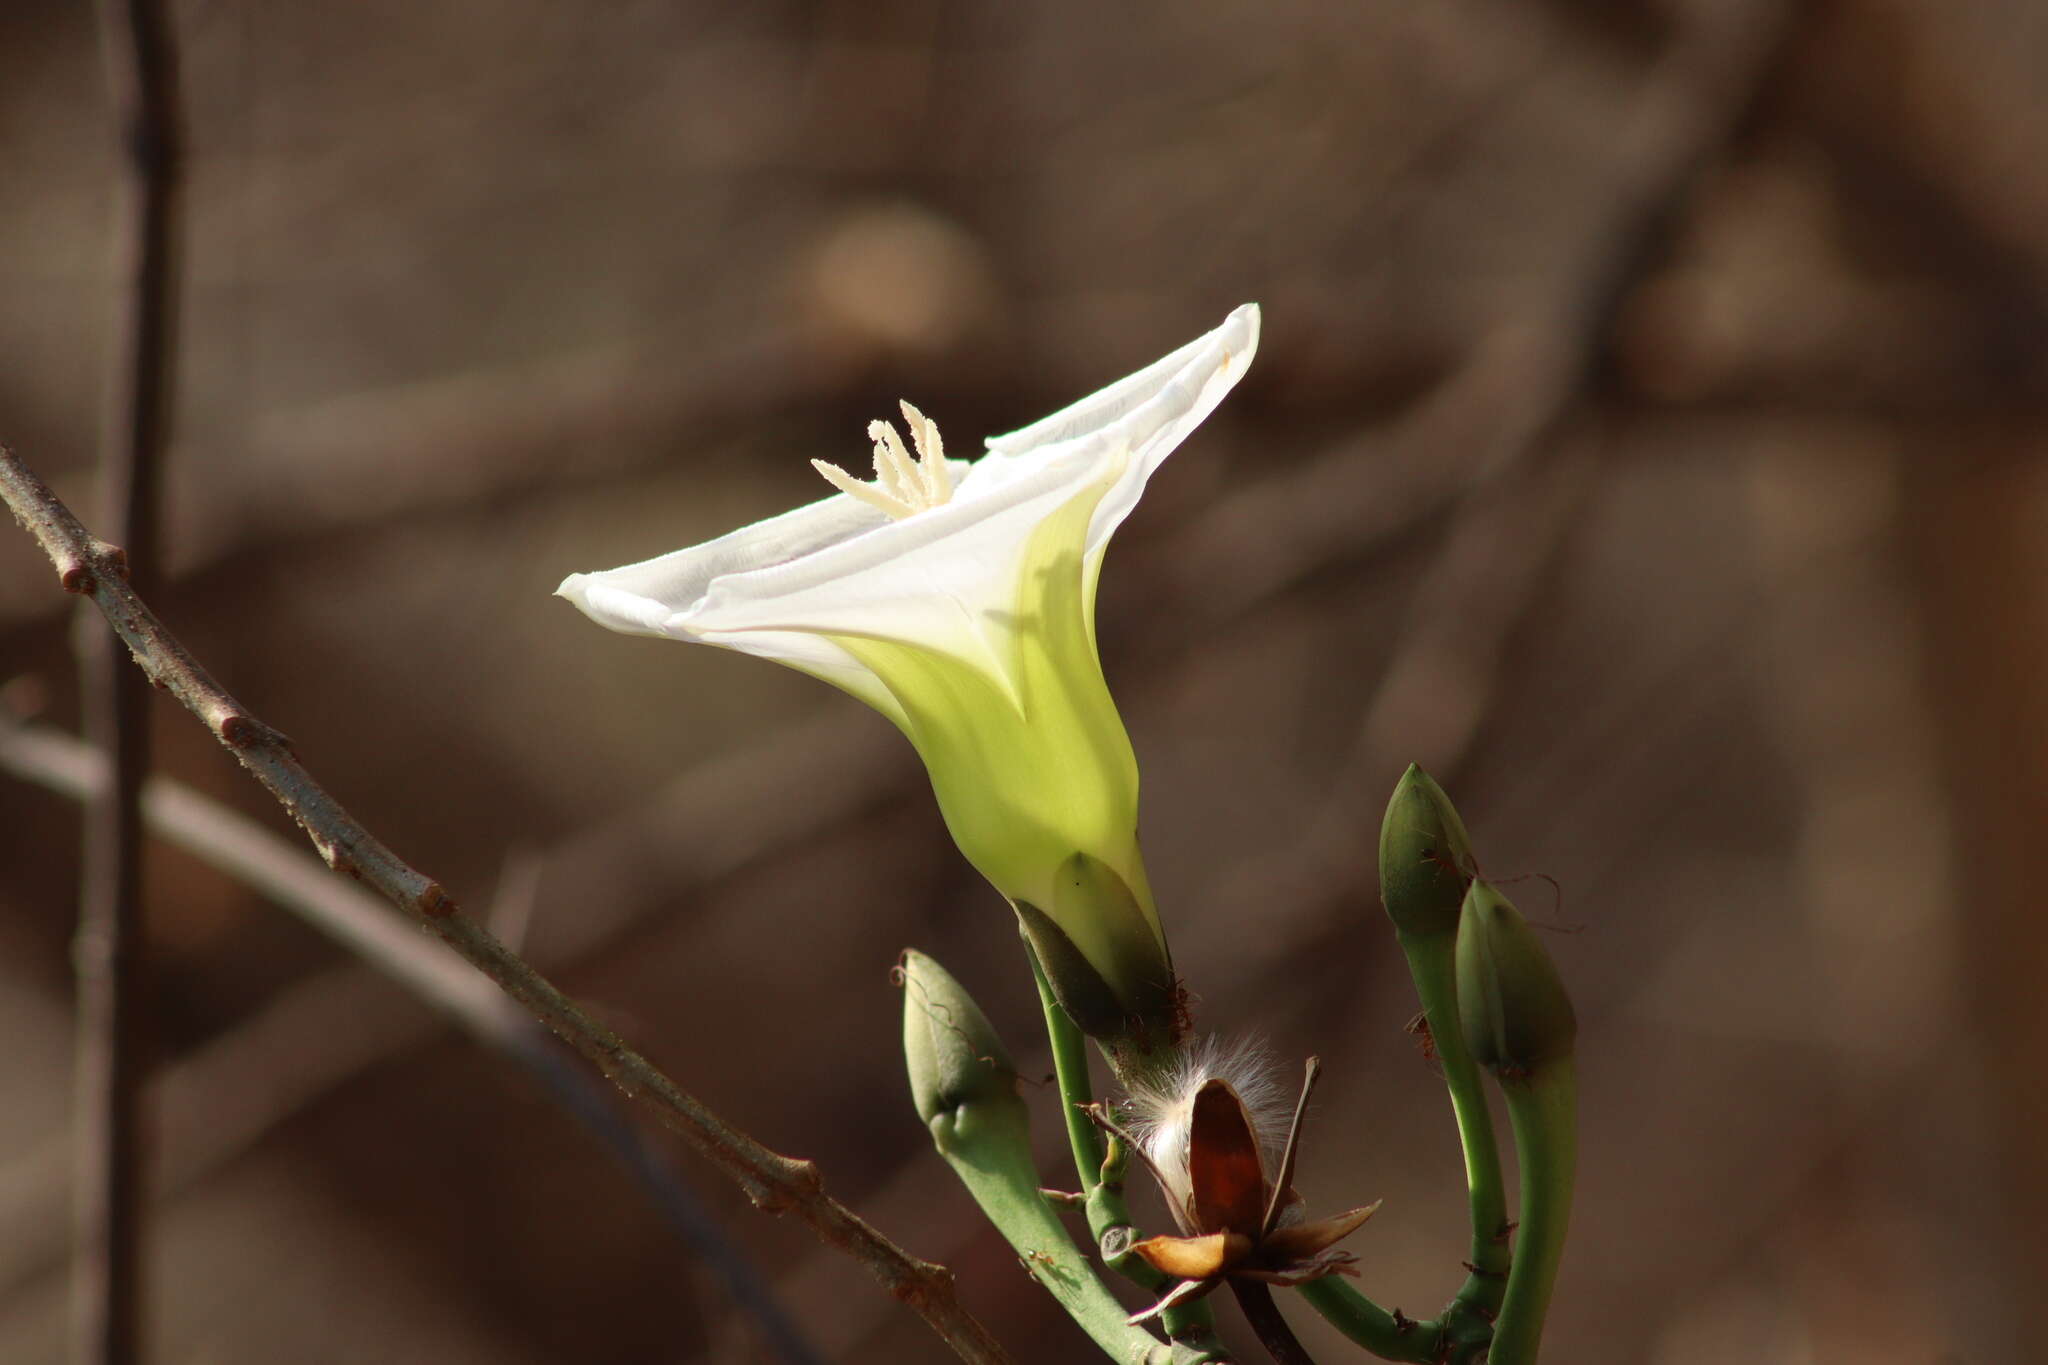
904,485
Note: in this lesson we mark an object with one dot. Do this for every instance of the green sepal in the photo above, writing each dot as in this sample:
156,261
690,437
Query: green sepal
1087,890
1136,1009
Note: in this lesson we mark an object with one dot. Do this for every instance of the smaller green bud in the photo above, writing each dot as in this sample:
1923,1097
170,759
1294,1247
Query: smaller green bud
1512,1004
1425,857
954,1056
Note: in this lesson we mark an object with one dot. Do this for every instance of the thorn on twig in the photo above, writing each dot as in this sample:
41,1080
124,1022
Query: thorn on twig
1403,1324
804,1175
81,571
927,1282
240,730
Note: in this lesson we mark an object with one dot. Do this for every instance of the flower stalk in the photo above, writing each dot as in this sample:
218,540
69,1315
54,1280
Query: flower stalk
1519,1022
1100,1166
1426,865
1542,1108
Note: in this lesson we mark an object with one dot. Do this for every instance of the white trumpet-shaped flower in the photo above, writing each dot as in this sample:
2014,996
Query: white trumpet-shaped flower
958,599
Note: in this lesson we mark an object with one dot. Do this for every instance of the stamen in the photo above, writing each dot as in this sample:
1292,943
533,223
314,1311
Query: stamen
866,492
931,454
904,485
894,468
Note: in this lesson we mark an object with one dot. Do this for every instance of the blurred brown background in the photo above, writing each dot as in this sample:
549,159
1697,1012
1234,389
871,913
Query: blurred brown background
1647,438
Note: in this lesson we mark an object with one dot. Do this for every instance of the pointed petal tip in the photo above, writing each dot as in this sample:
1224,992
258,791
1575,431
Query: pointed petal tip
1240,332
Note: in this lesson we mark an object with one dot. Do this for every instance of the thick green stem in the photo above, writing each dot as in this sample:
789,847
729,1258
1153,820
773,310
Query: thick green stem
1432,962
989,1148
1391,1336
1543,1108
1109,1219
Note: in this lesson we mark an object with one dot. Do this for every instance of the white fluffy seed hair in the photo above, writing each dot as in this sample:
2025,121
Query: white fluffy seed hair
1158,1110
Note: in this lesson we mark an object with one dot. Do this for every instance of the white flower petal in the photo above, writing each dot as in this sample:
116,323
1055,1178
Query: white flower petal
1148,413
638,599
945,579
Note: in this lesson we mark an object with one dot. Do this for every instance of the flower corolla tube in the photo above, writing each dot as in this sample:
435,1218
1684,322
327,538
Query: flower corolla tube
958,599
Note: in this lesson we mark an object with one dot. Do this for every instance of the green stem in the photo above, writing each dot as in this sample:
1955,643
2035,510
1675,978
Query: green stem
1077,1091
1388,1335
1466,1326
1432,962
988,1145
1109,1218
1542,1107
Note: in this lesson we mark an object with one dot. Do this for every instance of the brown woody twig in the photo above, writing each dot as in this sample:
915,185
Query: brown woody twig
775,1183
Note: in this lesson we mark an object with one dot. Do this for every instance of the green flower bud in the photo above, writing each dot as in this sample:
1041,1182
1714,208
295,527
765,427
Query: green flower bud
954,1056
1512,1004
1425,857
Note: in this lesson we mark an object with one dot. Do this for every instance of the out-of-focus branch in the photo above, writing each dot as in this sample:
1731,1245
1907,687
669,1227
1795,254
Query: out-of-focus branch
1512,508
317,1034
107,1196
354,918
773,1182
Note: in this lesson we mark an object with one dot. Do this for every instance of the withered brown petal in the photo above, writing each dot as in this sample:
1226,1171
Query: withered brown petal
1226,1175
1194,1258
1302,1241
1301,1272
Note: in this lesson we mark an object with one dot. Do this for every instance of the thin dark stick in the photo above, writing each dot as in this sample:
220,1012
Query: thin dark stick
773,1182
108,1220
1266,1323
